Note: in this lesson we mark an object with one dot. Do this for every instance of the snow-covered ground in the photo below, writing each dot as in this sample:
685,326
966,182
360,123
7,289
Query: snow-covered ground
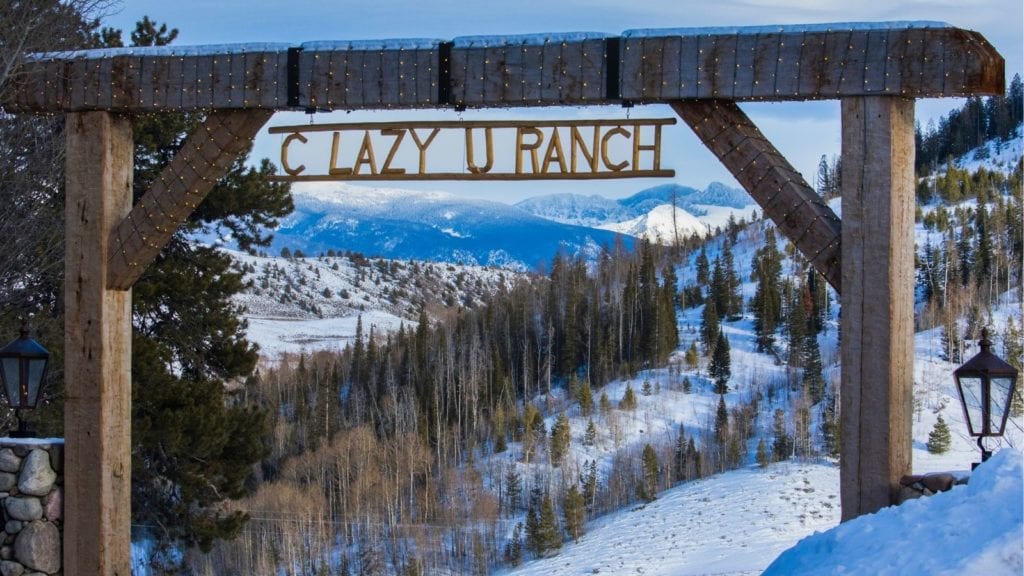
733,523
972,529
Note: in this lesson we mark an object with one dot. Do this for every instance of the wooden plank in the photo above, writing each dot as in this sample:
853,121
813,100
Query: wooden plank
876,66
236,80
802,216
755,63
854,64
182,184
745,66
593,68
878,301
97,351
774,69
551,68
314,77
426,73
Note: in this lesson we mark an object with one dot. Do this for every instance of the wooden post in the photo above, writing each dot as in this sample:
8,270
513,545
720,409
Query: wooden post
877,300
97,362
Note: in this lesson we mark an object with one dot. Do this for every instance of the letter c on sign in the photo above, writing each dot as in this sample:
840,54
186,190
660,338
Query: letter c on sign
284,154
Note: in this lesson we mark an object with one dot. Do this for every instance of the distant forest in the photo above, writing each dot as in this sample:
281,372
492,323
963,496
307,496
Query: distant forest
970,126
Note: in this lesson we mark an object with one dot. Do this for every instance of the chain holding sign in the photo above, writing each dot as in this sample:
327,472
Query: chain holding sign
489,150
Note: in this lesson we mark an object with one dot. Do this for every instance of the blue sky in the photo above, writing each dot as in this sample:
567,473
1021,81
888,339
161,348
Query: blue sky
803,131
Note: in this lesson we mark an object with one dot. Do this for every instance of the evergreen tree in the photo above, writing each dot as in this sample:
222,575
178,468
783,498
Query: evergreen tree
589,483
514,548
687,385
814,380
549,535
574,513
721,365
762,454
692,358
766,305
680,456
586,399
721,421
590,436
703,267
628,401
939,438
560,437
783,443
513,488
605,404
1013,353
646,388
710,327
648,489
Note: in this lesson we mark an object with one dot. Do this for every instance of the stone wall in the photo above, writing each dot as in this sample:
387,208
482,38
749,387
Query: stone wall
32,503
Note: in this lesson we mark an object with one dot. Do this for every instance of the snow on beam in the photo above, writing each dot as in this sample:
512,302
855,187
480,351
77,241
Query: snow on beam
800,62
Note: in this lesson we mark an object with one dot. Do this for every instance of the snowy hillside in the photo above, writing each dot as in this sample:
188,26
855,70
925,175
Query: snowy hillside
659,225
433,226
313,303
648,213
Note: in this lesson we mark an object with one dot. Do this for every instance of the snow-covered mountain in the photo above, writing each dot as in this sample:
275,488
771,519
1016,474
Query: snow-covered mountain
659,226
435,226
596,211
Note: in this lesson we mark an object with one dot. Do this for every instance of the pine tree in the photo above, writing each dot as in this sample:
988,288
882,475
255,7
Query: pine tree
590,436
710,326
721,365
628,401
549,535
513,488
766,305
1013,353
514,548
687,385
589,483
605,404
680,456
586,399
574,513
814,380
783,442
721,421
703,267
692,358
648,489
646,389
939,438
560,437
762,454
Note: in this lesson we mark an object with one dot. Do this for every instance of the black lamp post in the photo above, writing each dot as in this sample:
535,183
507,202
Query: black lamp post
985,384
22,369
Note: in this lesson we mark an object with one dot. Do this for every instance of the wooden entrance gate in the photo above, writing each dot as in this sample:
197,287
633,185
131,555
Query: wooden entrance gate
875,70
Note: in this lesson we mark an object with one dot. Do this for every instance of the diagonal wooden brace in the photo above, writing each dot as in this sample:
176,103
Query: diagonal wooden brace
184,182
801,215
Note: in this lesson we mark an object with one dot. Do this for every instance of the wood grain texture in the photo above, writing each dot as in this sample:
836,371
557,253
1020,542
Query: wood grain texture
97,351
783,63
877,300
180,187
800,214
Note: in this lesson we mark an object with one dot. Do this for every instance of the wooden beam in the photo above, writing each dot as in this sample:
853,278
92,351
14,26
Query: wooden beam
802,62
97,350
878,300
183,183
800,214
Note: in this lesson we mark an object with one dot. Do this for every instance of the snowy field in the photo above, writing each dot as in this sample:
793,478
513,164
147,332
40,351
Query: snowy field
733,523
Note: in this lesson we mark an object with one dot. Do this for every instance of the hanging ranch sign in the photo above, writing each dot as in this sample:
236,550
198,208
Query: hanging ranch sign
474,150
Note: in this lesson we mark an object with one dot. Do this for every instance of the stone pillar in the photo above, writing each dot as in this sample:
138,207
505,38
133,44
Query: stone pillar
32,504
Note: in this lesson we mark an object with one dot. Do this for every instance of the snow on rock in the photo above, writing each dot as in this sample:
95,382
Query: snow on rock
972,529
